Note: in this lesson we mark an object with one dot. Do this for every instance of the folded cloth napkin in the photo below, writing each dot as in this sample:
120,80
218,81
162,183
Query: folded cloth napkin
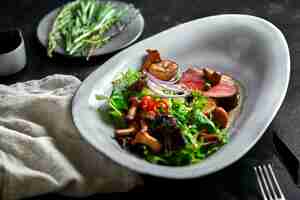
41,150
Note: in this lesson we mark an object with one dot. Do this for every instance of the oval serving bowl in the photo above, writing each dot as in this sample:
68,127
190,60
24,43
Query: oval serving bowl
129,35
248,48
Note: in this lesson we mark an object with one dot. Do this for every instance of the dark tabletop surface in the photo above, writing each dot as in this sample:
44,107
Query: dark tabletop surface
238,180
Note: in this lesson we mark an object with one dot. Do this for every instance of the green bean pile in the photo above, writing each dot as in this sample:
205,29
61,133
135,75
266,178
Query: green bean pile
81,26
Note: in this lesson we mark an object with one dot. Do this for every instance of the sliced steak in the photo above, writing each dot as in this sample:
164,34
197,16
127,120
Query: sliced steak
225,88
193,79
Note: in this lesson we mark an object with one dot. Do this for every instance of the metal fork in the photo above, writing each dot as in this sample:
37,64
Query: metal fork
268,183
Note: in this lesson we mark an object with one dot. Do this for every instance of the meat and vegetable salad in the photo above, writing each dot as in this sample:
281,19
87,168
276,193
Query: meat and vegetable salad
171,117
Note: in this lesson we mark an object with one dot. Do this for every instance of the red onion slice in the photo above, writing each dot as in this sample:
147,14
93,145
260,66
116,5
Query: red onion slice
158,90
170,82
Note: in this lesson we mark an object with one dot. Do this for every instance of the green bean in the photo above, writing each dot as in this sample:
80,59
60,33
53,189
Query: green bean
81,26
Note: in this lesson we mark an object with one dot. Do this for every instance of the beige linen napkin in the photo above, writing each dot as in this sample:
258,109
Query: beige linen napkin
41,150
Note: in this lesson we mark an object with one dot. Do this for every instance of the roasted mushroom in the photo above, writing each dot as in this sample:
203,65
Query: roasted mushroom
209,137
125,131
138,85
144,126
164,70
152,57
221,117
209,106
133,107
146,139
161,69
212,76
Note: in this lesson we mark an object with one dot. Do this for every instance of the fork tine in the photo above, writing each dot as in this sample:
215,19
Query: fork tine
267,173
275,181
260,183
260,170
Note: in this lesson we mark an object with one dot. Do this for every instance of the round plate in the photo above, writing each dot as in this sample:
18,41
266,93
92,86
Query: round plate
248,48
130,34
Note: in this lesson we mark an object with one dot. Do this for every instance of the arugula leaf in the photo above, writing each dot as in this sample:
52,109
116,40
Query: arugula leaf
189,132
118,100
179,110
199,101
185,156
203,122
126,79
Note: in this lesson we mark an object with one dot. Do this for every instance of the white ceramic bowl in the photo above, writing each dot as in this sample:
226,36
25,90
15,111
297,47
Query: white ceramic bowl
250,49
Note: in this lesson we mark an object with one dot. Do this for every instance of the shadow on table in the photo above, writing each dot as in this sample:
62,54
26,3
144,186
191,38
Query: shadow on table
285,155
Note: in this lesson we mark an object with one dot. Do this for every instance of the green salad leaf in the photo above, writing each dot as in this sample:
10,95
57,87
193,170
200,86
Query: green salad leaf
189,154
179,110
202,121
118,100
199,101
126,79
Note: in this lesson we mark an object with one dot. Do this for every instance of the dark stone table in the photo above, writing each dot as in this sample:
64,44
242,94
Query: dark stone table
234,182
